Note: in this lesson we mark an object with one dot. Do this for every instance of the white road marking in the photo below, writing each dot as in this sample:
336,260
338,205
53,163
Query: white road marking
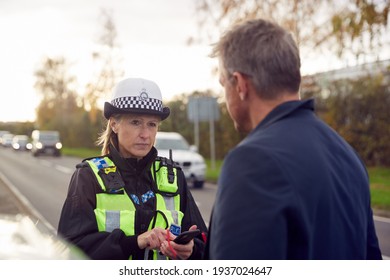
382,219
64,169
60,168
27,203
46,163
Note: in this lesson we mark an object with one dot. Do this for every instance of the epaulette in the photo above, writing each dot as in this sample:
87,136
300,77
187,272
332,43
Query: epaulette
84,162
89,158
109,174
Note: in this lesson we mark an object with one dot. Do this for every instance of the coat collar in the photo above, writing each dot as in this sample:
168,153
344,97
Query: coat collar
133,165
283,110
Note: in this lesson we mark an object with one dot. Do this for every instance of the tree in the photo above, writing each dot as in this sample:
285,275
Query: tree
351,26
58,109
359,111
360,26
108,70
79,121
107,61
357,27
58,98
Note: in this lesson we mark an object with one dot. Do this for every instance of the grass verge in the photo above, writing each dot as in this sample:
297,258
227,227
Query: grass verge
380,188
80,152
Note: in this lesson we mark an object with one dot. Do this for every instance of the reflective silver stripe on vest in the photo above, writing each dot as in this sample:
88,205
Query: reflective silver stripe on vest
146,254
170,205
112,220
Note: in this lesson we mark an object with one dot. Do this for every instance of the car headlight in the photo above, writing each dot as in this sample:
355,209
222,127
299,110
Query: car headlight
39,145
58,145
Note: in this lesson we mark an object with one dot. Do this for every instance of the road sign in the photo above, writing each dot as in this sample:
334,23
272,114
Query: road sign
202,109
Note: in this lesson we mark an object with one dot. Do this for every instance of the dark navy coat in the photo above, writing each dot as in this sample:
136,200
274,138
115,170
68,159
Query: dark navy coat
293,189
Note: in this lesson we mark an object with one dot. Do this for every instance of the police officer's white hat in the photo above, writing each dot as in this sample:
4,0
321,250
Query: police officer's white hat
137,96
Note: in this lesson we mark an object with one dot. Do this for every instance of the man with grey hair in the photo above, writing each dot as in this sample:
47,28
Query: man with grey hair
293,188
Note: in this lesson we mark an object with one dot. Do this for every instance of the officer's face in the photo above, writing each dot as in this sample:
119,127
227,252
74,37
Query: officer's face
136,134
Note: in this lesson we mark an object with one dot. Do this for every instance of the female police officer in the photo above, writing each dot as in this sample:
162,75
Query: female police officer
127,203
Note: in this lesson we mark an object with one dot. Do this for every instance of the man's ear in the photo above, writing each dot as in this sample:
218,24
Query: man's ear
242,86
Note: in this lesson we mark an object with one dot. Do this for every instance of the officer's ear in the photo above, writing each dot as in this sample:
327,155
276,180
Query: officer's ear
113,123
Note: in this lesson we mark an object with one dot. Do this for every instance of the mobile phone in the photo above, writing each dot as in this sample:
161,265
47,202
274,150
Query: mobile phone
186,236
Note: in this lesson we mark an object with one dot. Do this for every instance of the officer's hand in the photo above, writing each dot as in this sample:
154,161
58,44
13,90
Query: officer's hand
152,239
177,251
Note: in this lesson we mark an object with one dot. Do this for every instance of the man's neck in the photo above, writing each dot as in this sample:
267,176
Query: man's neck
260,108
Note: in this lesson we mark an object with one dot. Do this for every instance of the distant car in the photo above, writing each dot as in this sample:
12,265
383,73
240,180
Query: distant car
192,163
2,132
46,142
6,140
21,143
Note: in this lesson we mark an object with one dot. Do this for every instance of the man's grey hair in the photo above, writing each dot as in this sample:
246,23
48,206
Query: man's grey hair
265,52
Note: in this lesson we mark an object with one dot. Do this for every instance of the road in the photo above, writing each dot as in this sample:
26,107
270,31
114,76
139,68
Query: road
43,182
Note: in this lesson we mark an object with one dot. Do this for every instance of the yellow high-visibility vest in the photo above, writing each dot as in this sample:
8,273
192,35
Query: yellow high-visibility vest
116,210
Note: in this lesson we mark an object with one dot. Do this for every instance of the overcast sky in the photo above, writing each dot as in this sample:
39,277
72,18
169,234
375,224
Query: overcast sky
152,38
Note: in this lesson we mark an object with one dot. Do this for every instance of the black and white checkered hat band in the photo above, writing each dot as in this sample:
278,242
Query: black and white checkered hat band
135,102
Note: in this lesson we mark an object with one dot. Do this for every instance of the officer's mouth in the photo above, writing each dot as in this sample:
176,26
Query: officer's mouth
142,146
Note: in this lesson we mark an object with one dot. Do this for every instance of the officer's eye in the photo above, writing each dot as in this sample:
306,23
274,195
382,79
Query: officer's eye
135,122
153,124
